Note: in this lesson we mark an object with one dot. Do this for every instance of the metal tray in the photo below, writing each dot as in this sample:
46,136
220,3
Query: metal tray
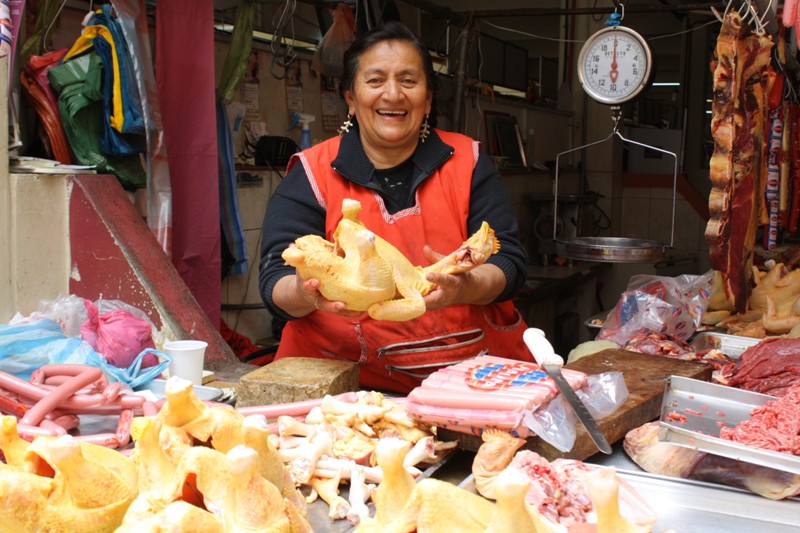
612,249
690,506
203,392
707,407
602,316
730,345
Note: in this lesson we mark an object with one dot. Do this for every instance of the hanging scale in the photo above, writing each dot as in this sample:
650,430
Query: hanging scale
614,66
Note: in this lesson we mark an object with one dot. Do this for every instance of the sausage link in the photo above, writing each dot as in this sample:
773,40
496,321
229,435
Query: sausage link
36,413
124,427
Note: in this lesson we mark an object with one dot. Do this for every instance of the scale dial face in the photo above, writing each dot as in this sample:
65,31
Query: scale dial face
614,65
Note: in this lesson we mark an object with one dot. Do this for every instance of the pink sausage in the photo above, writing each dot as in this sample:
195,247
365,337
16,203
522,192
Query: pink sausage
470,421
52,426
70,370
112,391
11,406
37,376
527,400
31,432
149,409
294,408
36,413
22,388
68,421
464,400
124,427
109,440
80,403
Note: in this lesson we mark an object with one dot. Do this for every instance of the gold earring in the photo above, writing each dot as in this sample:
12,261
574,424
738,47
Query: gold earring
345,127
425,129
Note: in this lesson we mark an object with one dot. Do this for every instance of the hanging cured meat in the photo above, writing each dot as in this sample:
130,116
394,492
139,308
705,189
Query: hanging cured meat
742,82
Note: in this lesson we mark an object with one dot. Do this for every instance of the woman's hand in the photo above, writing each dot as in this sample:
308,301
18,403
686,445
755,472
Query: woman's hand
479,286
308,289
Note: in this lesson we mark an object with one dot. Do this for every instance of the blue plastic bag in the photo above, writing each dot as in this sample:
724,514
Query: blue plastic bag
27,347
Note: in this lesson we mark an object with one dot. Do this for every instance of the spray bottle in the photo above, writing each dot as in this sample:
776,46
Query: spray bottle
305,135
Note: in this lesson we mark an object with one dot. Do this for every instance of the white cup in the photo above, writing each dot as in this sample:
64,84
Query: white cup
187,359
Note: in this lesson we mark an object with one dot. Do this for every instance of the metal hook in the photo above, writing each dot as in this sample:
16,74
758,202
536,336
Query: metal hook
619,6
616,115
721,17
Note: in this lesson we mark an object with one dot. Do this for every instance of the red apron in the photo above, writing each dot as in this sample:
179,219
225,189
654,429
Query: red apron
396,356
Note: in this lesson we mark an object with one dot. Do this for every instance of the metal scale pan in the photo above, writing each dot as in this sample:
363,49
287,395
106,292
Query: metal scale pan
613,249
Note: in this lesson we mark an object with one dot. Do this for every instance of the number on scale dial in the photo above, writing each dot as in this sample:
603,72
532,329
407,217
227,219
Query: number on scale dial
614,65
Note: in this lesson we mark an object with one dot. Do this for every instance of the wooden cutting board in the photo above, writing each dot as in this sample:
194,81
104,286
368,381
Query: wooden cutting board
645,377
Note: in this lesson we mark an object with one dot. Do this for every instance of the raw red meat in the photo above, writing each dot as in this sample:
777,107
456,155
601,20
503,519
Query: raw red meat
773,426
742,80
769,367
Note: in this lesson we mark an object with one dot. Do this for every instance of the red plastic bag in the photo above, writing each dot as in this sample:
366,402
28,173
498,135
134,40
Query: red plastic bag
118,336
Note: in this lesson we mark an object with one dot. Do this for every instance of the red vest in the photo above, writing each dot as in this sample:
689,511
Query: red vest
396,356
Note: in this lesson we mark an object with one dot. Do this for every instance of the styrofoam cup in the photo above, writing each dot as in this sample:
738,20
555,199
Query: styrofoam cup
187,359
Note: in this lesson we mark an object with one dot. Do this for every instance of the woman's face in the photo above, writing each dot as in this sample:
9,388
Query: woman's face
390,95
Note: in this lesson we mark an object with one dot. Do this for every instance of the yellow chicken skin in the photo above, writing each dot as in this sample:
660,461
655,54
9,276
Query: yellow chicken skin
66,485
11,444
370,274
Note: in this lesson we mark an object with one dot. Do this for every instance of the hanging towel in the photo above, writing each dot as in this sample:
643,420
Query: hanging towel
228,199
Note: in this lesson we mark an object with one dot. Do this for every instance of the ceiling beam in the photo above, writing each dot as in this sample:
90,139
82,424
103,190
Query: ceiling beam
547,11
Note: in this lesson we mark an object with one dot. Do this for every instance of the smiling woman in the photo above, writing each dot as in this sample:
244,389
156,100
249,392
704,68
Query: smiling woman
423,190
391,98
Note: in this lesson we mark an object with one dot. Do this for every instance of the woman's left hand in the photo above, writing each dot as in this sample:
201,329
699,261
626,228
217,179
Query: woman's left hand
448,287
448,291
479,286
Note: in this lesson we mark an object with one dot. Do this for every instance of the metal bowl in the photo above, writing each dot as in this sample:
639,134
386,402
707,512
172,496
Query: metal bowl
611,249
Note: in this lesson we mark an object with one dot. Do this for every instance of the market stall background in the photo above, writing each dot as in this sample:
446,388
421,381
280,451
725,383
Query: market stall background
617,191
627,187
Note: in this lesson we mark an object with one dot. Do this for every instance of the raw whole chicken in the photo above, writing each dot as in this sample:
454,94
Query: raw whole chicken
369,274
560,493
61,484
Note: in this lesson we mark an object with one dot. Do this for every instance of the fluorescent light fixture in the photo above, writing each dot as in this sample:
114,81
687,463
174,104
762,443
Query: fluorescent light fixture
666,84
269,37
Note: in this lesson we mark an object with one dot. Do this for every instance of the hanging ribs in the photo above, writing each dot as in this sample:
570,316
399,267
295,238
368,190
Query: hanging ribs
742,79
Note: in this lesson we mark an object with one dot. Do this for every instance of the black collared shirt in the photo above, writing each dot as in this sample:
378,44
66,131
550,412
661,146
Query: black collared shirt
293,210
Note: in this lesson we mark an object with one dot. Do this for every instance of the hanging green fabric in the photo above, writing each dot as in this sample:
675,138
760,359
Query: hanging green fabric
241,45
79,84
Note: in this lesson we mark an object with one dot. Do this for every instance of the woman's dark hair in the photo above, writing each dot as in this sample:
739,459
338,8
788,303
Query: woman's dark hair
390,31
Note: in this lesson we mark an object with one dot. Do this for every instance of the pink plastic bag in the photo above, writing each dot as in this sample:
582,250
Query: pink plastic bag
118,336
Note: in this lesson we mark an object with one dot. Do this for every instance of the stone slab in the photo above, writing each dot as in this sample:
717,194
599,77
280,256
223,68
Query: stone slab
295,379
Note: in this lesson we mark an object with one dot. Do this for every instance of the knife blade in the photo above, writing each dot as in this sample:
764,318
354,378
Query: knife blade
551,363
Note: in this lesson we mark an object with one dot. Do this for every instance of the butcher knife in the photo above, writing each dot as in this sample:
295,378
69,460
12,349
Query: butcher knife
551,363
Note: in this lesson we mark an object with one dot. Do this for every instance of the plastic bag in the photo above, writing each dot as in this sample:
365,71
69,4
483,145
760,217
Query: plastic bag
27,347
117,334
670,307
555,422
329,58
67,310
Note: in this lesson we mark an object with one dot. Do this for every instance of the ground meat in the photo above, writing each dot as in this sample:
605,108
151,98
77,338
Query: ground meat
769,367
773,426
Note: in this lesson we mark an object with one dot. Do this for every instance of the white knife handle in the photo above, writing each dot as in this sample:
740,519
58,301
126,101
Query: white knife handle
540,347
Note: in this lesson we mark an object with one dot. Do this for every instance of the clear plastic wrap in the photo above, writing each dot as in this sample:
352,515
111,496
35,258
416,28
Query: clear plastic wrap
519,398
670,307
